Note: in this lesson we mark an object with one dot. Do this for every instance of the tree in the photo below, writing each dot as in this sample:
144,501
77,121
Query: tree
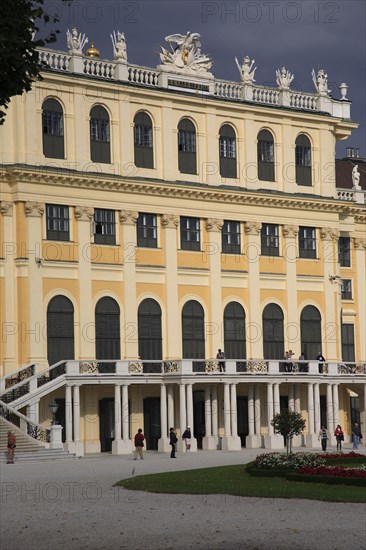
19,67
288,423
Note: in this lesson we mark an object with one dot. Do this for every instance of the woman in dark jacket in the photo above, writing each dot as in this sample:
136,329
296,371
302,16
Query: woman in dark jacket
339,435
173,441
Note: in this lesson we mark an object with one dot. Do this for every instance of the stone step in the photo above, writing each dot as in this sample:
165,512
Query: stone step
45,454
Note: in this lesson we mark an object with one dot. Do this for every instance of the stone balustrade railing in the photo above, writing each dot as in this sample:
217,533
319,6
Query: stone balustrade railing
125,72
353,195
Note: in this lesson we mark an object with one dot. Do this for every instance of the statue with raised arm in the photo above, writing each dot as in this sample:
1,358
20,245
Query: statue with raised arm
186,54
75,42
119,46
284,78
245,70
356,178
320,82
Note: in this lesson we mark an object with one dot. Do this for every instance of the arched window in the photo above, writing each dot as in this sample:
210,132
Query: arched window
266,157
193,330
227,150
100,140
107,329
60,330
273,334
143,140
311,332
303,160
53,129
234,331
187,162
149,334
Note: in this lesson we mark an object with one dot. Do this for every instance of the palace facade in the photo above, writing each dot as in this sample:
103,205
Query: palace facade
150,217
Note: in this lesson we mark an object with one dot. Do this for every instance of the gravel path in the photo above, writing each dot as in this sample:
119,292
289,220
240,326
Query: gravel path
72,504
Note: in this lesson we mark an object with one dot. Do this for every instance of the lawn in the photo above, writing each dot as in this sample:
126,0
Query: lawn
233,480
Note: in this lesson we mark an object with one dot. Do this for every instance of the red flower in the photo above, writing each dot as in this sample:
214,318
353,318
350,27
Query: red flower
339,471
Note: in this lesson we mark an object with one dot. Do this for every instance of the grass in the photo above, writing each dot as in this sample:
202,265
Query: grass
234,480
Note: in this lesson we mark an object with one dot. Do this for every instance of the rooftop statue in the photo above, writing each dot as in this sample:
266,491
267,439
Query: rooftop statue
284,78
186,54
356,178
119,46
75,42
246,72
320,82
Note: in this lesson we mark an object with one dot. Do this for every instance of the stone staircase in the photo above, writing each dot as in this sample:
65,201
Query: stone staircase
27,448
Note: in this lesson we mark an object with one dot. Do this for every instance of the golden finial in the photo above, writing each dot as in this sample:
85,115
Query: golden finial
92,51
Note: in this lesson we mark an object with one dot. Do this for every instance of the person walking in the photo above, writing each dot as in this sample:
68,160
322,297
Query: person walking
187,435
173,442
356,435
11,447
139,444
221,355
323,437
339,435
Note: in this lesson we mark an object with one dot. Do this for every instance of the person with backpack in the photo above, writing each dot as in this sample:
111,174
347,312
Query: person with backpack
139,444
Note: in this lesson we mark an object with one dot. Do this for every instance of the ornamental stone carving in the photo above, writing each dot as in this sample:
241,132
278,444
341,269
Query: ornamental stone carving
83,213
75,42
135,367
329,234
356,178
257,366
6,208
245,70
212,366
290,231
170,220
88,367
213,224
320,81
359,243
34,209
186,55
171,367
284,78
119,46
252,228
129,217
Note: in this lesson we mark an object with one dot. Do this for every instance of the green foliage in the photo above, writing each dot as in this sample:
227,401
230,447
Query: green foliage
329,480
20,20
288,423
282,461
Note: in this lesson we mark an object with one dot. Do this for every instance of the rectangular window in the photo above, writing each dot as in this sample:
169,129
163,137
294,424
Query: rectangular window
147,231
307,242
303,155
52,123
190,233
187,141
104,226
143,135
231,237
265,151
57,220
269,240
228,147
99,130
348,343
346,289
344,251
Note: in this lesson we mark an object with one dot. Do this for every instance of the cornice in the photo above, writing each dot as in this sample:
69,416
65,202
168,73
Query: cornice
171,189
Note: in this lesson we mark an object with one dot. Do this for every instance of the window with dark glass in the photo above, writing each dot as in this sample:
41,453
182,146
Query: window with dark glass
187,162
346,291
143,141
150,334
190,233
273,332
311,332
266,159
53,129
107,329
60,330
270,240
100,150
147,230
348,343
303,160
57,220
227,150
344,251
231,237
104,226
307,242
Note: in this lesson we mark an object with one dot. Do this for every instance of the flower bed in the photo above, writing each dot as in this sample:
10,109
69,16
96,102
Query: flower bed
338,471
338,455
282,462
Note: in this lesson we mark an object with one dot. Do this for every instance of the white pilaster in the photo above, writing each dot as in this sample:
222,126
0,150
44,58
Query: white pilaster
190,423
209,443
117,444
78,445
252,230
68,418
291,400
330,412
276,398
311,437
9,340
127,446
170,396
212,254
272,440
335,413
360,268
235,439
332,316
173,344
215,409
252,439
316,408
163,444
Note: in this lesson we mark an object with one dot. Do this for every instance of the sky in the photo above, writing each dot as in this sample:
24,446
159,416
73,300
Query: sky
300,35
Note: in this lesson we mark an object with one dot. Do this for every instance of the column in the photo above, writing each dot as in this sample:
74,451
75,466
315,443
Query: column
335,413
189,391
311,437
125,414
293,396
212,255
36,344
84,216
252,439
129,219
182,408
330,413
225,442
290,233
209,443
10,333
163,443
170,223
270,407
257,413
291,399
170,395
68,418
33,412
235,439
116,444
329,237
276,398
298,398
78,445
215,408
272,440
253,250
316,408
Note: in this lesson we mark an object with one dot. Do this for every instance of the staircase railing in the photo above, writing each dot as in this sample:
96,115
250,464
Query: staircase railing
17,376
36,431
